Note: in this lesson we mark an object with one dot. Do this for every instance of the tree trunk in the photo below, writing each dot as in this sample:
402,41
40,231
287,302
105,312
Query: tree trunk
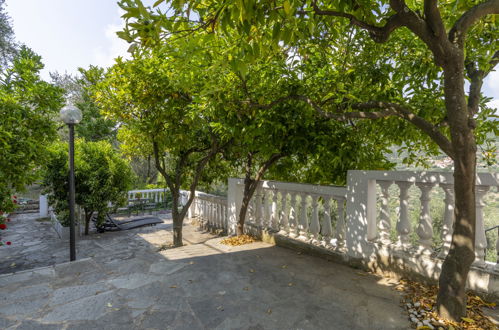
451,300
247,195
178,218
250,186
177,234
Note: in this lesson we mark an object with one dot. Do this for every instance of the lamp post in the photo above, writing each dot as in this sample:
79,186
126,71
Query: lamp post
71,115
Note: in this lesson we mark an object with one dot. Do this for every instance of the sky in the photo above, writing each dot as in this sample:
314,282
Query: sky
77,33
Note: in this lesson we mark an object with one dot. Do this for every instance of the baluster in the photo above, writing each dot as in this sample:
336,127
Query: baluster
226,218
480,238
448,223
327,227
293,223
497,249
205,210
303,218
340,224
274,217
198,208
222,216
385,224
425,227
284,221
403,224
267,211
214,213
203,206
219,215
225,224
210,212
258,206
251,210
314,222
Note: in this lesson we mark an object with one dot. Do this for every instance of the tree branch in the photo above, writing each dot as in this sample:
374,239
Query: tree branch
394,109
387,109
476,81
458,32
161,168
378,33
433,18
425,30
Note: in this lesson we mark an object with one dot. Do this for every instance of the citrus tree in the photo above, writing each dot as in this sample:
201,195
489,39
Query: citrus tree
155,99
28,106
102,178
447,43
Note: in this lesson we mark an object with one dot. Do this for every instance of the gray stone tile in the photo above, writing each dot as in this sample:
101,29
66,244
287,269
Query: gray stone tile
88,308
34,325
133,281
67,294
128,284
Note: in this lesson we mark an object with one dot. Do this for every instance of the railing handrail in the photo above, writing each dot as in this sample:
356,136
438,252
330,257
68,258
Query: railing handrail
147,190
214,198
314,189
436,177
491,228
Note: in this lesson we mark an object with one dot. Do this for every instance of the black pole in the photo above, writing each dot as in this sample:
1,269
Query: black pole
72,245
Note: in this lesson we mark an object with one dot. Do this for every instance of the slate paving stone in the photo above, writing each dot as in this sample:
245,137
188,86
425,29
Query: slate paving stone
157,319
71,293
122,281
34,325
5,322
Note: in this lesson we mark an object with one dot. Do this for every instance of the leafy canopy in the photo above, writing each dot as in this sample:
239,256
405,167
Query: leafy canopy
28,106
101,177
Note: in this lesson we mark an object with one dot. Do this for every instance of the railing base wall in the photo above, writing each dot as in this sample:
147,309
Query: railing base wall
206,226
393,263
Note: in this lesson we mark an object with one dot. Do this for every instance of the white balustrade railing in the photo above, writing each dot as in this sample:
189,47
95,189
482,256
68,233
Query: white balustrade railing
349,216
154,195
311,213
211,210
363,216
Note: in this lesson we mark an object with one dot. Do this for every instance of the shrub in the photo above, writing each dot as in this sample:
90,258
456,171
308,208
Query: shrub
102,178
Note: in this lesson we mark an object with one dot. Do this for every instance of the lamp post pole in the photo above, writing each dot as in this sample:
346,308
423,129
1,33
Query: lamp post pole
72,236
71,115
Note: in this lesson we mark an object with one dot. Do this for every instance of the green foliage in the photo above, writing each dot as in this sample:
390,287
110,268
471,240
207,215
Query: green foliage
27,108
156,98
340,64
94,126
101,177
7,43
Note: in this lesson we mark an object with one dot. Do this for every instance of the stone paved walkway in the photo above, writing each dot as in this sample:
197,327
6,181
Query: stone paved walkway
129,284
36,244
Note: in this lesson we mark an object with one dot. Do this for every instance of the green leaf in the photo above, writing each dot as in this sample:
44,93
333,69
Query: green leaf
287,7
